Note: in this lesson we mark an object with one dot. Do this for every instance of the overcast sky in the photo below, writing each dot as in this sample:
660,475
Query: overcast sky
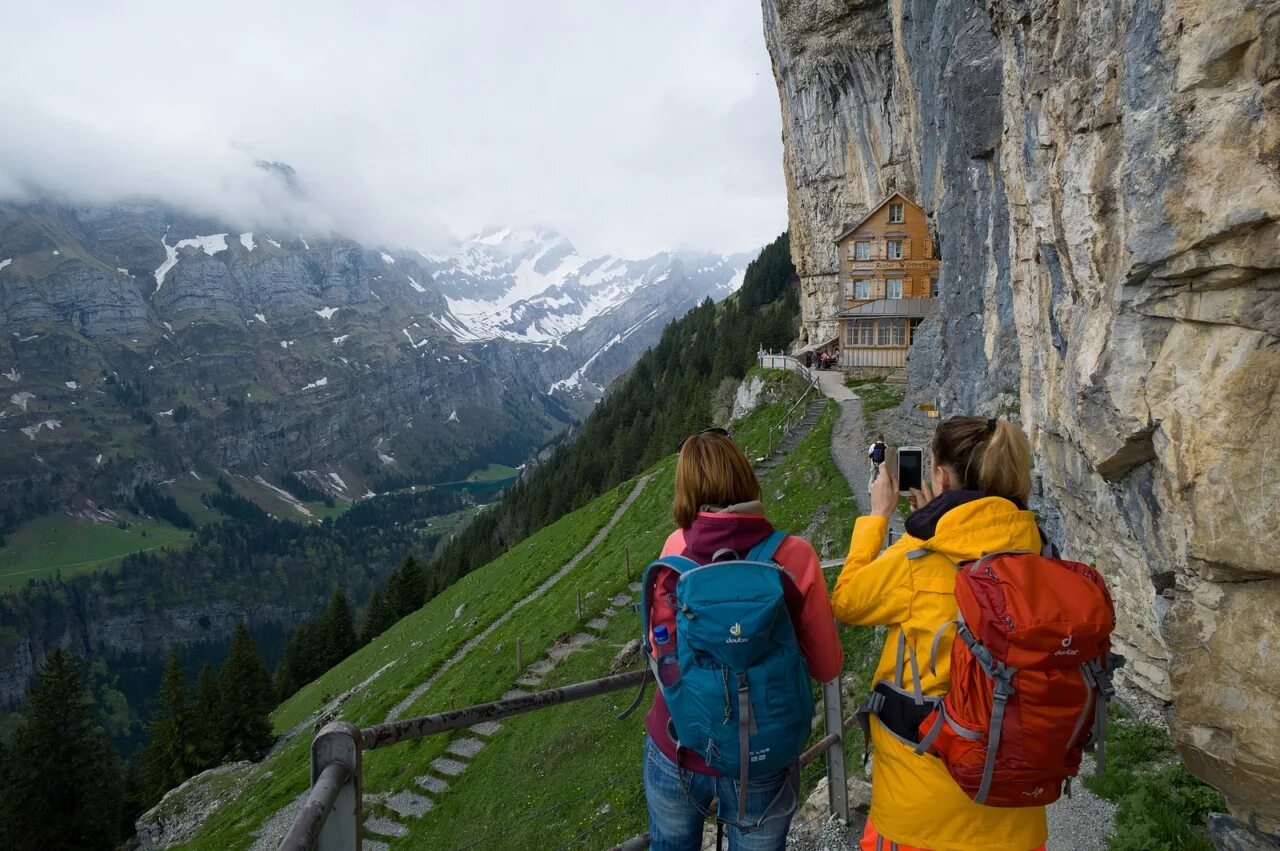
632,126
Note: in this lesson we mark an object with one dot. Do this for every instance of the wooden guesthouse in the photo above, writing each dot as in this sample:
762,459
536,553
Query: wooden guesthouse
888,280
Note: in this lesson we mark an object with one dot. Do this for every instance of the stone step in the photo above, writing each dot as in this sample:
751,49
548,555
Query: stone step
620,600
542,666
411,804
432,783
467,747
385,826
530,681
374,845
597,623
450,767
634,587
514,693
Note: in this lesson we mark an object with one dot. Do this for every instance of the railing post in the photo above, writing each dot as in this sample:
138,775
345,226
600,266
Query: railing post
339,742
837,784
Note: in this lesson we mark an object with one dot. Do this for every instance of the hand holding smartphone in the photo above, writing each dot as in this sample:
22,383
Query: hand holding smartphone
910,469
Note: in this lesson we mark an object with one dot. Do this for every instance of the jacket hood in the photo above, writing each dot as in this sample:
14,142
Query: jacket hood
734,527
975,526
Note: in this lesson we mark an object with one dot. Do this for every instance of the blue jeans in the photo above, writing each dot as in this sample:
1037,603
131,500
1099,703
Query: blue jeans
680,801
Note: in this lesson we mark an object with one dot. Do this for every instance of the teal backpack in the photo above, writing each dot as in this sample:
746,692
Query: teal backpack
734,679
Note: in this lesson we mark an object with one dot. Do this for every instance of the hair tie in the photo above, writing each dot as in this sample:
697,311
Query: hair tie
991,424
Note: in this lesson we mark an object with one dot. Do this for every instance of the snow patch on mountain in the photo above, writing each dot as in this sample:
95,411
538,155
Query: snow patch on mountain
574,381
211,245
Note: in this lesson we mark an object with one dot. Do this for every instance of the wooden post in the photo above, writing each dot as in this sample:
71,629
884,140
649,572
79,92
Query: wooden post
627,553
578,604
519,656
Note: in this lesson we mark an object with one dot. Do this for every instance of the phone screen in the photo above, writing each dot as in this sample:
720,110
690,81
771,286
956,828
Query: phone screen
910,462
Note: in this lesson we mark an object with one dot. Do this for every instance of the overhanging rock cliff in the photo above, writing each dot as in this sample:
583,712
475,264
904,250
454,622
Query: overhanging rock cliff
1104,183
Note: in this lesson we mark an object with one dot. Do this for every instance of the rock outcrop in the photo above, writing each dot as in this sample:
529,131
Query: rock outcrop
1103,179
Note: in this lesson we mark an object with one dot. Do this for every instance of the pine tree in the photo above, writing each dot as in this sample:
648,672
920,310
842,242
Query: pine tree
133,798
61,780
299,660
208,735
377,618
338,629
244,699
173,753
406,588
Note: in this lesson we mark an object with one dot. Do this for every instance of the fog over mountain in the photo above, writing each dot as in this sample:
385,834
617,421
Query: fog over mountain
407,123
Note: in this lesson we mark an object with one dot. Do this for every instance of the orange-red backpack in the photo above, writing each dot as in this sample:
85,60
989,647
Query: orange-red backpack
1030,678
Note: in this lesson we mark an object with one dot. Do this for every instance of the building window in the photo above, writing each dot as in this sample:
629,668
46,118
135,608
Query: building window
891,332
895,249
912,327
933,288
893,288
895,212
862,289
862,251
862,332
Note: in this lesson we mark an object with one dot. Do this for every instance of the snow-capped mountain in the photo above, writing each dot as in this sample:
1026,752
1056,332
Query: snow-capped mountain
193,342
533,287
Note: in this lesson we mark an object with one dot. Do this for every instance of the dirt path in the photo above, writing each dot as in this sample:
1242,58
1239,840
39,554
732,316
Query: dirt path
474,641
849,444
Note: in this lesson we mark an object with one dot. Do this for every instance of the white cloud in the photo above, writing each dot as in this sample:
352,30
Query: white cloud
631,127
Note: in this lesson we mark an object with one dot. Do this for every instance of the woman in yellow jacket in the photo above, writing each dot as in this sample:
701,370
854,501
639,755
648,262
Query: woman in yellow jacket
981,475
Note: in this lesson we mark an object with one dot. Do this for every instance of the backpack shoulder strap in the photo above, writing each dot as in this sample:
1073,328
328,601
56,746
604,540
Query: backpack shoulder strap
765,550
1048,548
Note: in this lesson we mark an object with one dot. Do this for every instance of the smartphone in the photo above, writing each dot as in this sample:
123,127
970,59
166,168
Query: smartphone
910,468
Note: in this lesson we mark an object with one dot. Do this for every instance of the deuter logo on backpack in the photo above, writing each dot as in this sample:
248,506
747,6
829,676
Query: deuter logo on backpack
1066,648
734,639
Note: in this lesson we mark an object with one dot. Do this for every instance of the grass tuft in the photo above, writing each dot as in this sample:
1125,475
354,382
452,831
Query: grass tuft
1162,806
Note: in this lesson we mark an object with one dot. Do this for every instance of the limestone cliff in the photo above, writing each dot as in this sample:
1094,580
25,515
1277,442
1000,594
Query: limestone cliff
1103,179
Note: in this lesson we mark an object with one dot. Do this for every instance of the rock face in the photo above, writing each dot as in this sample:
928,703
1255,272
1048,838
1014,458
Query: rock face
138,343
1104,183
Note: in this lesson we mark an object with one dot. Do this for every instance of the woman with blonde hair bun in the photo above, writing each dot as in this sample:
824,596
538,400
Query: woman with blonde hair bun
977,504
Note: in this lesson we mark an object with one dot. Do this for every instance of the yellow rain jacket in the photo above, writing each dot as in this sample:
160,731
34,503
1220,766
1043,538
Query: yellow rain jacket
914,801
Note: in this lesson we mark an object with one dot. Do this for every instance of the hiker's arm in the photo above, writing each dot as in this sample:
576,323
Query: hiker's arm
872,589
816,628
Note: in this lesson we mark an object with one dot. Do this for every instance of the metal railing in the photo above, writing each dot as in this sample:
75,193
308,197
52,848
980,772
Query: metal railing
331,818
793,414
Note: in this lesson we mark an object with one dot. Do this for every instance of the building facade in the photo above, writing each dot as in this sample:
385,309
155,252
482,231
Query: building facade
888,280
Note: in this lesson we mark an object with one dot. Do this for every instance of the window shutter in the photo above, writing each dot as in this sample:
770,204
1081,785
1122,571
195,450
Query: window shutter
906,249
928,249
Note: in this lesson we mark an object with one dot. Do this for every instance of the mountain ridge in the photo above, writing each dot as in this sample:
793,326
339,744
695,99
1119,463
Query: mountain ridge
293,354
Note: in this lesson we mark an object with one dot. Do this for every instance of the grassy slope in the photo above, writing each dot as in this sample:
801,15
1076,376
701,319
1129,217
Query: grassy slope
45,546
574,767
58,543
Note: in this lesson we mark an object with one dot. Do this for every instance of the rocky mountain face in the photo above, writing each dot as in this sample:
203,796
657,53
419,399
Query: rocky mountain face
1103,180
139,343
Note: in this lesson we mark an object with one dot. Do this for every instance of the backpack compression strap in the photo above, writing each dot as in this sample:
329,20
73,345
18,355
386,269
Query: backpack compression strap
680,565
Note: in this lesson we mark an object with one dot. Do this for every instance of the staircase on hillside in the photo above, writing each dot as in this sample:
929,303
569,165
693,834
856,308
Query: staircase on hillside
796,433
